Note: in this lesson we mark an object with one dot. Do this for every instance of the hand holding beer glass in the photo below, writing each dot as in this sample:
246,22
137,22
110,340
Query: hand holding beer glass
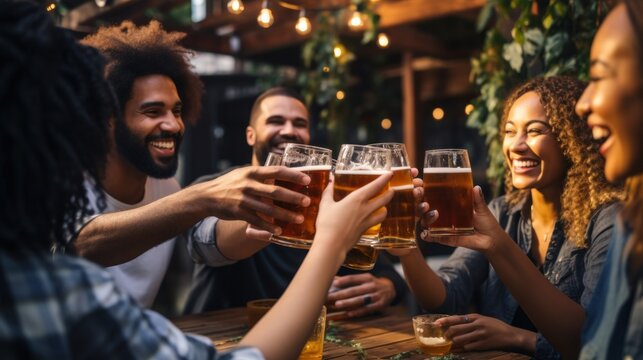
430,336
448,188
358,165
398,230
316,163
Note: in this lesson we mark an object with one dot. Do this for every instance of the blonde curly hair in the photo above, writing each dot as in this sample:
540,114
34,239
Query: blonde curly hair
585,188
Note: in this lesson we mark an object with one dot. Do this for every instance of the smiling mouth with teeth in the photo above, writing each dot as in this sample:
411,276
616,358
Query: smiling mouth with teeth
165,145
525,163
600,134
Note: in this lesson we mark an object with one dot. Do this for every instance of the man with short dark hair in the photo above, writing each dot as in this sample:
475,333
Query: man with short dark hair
279,116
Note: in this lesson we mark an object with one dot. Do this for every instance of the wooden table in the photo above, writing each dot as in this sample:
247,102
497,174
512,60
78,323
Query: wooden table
380,336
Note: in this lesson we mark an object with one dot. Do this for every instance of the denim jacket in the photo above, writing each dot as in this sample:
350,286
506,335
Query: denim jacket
614,326
471,281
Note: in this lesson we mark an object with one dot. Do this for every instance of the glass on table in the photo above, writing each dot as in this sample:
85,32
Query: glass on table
314,347
448,188
358,165
256,309
398,229
430,336
315,162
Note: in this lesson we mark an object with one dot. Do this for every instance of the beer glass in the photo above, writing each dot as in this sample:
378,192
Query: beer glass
314,347
398,229
358,165
256,309
430,336
448,188
361,257
273,159
316,163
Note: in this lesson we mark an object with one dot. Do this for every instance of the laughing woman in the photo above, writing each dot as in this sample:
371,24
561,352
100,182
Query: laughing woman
531,266
613,106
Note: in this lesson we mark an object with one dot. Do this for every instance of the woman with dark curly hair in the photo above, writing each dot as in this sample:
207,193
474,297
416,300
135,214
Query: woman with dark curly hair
613,106
536,252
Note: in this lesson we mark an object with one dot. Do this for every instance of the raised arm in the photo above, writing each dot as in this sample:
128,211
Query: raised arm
115,238
282,332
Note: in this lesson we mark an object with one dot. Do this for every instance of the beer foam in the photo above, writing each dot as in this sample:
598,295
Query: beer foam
402,187
361,172
446,170
312,167
398,168
432,341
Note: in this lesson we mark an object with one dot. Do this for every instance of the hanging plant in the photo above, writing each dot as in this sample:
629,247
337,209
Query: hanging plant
546,38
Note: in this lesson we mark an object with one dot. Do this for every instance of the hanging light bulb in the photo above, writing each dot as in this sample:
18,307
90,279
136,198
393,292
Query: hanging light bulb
356,22
265,18
235,7
382,40
338,50
303,24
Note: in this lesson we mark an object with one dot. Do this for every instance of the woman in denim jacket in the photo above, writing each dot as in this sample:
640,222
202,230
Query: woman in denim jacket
613,106
531,266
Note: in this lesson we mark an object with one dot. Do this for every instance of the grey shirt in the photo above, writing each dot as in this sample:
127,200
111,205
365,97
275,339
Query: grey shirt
471,282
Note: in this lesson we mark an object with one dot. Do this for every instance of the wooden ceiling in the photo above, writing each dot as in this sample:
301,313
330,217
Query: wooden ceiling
422,27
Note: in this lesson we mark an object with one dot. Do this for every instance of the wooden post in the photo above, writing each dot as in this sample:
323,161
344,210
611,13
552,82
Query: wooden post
408,108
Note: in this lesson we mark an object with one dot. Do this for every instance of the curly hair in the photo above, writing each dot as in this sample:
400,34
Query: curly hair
53,134
585,188
133,52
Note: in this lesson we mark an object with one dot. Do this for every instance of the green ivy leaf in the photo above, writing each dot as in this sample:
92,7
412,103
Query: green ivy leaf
554,46
485,15
513,54
534,41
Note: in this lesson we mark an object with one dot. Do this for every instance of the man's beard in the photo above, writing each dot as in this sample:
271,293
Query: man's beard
138,154
261,150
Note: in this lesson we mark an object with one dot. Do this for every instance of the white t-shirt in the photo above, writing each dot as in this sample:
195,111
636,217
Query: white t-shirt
141,277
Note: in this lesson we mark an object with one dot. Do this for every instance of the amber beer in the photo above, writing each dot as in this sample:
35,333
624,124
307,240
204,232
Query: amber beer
347,181
450,192
434,346
301,235
361,257
398,229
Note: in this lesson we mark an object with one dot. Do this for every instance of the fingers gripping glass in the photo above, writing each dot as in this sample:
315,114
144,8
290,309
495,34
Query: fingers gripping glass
315,162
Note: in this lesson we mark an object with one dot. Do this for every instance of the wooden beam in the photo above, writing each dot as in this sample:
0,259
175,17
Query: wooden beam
407,38
408,108
278,36
394,13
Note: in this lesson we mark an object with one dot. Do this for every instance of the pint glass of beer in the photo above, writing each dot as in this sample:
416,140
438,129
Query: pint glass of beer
398,229
361,257
358,165
448,188
316,163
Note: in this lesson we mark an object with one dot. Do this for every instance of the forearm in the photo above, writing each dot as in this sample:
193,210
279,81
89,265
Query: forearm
545,305
425,284
115,238
291,319
232,241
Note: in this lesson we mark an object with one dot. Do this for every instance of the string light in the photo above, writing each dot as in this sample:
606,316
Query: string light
265,18
51,7
356,22
326,69
235,7
303,24
382,40
468,109
386,124
438,113
338,50
340,95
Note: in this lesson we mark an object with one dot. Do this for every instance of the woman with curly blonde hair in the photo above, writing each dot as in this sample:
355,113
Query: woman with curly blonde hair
537,251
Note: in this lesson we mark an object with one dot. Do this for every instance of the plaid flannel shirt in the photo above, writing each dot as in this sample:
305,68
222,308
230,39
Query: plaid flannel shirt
61,307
